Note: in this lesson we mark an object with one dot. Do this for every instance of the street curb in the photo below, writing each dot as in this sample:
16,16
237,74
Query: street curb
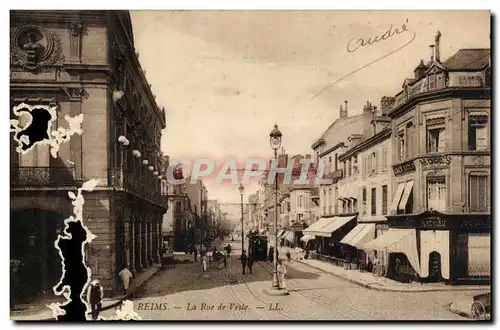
105,307
376,288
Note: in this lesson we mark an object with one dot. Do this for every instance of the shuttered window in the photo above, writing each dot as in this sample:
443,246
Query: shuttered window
478,192
436,193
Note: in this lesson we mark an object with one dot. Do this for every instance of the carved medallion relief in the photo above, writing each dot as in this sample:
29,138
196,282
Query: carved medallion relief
32,48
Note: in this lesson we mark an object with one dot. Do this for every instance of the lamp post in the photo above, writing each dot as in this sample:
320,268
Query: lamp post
275,141
242,190
121,253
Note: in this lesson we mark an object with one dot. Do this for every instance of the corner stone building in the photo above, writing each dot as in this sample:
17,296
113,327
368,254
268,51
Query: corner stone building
84,62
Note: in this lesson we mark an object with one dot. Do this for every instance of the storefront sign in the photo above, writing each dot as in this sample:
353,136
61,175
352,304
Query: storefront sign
434,222
435,160
403,168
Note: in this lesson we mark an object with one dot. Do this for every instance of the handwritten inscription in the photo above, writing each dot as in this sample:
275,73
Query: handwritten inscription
392,33
356,43
435,160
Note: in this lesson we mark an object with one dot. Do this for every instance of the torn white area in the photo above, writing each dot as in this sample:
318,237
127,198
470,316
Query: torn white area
55,137
126,312
77,201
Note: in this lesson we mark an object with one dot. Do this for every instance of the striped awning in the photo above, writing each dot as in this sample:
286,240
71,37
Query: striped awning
316,225
307,238
289,236
361,234
329,227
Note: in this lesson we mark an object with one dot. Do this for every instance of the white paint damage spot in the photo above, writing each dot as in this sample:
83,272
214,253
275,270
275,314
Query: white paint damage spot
77,201
45,117
125,313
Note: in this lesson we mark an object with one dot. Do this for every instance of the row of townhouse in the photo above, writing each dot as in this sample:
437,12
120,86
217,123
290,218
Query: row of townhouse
410,180
188,220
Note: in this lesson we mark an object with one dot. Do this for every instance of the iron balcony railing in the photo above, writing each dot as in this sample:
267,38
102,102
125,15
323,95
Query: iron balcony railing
39,176
131,182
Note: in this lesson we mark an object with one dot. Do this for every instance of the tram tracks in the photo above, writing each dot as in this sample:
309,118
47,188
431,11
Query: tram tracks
321,299
235,279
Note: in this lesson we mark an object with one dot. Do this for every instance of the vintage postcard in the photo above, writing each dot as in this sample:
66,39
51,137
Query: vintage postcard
250,165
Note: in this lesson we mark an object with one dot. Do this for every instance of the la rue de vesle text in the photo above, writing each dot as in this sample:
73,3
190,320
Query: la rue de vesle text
206,307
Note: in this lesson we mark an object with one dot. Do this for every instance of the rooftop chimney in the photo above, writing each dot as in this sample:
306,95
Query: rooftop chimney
368,109
386,103
432,52
343,113
420,70
438,36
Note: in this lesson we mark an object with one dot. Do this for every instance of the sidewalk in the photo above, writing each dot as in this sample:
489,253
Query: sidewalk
107,303
369,281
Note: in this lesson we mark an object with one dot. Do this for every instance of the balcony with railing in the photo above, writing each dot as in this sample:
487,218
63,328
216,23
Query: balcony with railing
42,177
136,185
454,80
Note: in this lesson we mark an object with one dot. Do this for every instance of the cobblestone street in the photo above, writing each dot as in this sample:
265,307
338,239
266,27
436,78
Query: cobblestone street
187,293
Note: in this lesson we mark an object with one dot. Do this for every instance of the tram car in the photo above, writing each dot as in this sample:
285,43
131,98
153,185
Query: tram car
258,245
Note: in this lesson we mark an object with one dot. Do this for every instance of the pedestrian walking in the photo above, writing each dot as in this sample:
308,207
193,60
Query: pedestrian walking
195,252
125,276
281,274
204,262
224,256
250,261
243,259
288,255
95,293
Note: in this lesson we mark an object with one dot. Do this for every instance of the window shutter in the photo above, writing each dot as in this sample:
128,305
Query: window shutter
473,193
442,141
430,196
377,161
481,138
482,194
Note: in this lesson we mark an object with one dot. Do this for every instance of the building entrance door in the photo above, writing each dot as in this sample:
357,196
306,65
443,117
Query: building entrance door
434,267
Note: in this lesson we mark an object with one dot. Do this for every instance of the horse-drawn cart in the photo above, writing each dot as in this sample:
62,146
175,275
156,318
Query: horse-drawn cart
481,307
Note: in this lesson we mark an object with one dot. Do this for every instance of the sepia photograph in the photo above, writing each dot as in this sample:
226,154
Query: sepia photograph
250,165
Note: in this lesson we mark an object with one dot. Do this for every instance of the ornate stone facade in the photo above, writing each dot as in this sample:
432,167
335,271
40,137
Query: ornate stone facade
58,58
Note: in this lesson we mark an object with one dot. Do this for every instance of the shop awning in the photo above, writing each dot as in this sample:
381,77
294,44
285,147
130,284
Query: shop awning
406,195
397,240
365,234
350,235
289,236
334,224
307,238
397,197
318,224
281,232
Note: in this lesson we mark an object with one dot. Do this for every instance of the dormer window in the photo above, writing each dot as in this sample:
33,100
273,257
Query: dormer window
432,81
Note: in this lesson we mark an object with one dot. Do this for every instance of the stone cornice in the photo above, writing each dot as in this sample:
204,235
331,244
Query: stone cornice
137,72
468,92
60,17
379,137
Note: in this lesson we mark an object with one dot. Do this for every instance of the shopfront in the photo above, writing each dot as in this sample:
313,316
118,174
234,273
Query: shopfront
451,248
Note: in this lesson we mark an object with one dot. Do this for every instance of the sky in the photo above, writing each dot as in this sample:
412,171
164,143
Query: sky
226,77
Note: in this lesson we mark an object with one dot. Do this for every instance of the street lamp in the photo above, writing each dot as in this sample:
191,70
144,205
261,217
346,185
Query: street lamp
275,141
242,190
122,253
